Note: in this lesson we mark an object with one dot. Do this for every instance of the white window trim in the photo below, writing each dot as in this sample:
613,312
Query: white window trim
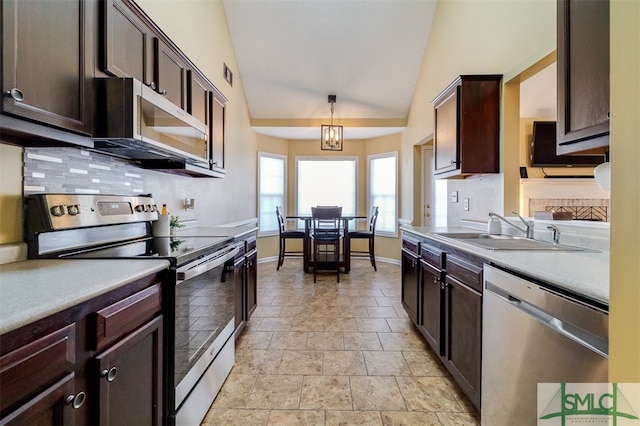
393,154
284,202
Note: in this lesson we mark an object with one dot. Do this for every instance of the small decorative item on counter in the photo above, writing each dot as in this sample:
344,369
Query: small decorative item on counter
174,224
164,209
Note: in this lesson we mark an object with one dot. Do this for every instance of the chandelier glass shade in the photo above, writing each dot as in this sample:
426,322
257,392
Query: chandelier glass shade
330,134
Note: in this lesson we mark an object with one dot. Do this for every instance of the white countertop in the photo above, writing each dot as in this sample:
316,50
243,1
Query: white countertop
216,231
582,272
34,289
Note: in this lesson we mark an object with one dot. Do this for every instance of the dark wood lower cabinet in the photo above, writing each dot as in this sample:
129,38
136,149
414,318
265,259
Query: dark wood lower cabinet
409,293
246,284
432,299
129,376
463,331
99,362
252,284
49,407
239,277
442,295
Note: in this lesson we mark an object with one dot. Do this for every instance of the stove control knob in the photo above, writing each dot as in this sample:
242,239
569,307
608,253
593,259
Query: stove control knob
139,208
154,208
57,210
149,208
73,210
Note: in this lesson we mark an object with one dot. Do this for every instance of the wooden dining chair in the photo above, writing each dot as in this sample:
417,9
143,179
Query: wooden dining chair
326,237
368,234
286,234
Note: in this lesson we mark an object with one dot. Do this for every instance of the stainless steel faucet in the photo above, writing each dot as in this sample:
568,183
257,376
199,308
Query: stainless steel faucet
555,233
528,225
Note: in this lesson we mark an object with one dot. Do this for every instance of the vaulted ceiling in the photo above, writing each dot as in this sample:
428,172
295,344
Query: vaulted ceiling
293,53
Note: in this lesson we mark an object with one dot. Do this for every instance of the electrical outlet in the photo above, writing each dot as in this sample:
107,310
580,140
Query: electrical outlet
454,196
466,204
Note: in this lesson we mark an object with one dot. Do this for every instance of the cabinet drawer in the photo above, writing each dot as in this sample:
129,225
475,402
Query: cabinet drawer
411,245
22,371
465,272
432,255
118,319
251,245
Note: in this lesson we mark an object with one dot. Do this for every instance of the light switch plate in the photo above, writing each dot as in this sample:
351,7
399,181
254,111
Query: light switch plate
466,204
454,196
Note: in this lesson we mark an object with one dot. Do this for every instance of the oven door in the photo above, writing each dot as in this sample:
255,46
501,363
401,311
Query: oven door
203,324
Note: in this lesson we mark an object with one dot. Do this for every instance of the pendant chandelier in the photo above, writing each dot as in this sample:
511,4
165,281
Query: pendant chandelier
330,135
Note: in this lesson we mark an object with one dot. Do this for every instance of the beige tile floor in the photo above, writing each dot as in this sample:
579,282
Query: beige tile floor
335,354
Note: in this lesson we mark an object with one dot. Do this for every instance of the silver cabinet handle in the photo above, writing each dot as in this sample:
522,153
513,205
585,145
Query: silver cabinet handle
153,85
76,401
110,374
453,161
16,94
163,93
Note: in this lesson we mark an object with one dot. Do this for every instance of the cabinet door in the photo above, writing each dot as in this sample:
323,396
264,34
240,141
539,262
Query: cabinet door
446,136
431,301
50,407
169,73
239,272
464,336
129,378
251,284
583,75
47,64
410,285
198,97
122,27
21,372
217,132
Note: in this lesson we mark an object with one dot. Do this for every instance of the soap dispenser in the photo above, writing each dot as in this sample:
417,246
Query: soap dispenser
494,227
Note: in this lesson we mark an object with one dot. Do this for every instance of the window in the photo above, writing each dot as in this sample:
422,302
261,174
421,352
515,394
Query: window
383,191
326,182
272,179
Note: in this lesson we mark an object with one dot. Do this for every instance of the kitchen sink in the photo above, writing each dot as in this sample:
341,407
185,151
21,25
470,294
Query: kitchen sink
506,242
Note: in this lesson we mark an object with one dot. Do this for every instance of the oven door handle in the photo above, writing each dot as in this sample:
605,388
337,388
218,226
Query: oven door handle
212,262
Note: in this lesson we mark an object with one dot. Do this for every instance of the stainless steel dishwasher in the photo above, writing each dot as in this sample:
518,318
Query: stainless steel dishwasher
533,334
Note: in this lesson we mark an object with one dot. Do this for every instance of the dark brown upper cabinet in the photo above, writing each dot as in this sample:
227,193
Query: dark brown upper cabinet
169,73
467,127
198,97
125,27
583,75
151,57
218,110
47,75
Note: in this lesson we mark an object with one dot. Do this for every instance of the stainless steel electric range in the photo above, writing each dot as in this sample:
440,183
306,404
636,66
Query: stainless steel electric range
198,302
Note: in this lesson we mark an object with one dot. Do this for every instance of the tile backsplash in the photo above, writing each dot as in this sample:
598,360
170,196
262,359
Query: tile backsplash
79,171
593,209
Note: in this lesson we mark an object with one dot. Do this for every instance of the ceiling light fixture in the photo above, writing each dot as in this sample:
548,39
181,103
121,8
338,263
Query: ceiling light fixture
330,135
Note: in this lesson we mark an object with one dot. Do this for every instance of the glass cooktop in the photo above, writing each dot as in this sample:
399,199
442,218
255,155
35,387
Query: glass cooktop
177,249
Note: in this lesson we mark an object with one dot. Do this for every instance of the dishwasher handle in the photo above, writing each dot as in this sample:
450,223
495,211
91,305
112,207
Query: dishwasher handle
567,329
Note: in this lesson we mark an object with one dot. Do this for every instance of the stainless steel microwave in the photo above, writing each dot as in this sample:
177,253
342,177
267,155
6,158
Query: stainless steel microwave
135,122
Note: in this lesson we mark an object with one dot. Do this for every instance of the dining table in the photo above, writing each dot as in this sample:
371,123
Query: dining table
345,219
